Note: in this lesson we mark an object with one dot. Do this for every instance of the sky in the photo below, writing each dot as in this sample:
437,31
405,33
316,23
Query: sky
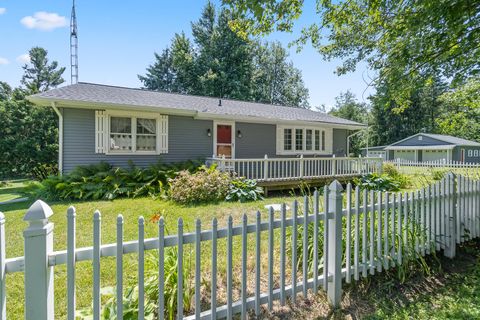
117,40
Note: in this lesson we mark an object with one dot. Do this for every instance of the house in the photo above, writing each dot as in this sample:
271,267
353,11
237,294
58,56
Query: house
118,125
375,152
424,147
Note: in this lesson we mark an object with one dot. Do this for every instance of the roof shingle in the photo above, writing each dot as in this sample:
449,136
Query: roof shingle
138,98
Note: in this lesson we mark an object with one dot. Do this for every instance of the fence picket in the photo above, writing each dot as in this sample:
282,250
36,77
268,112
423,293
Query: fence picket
119,263
161,269
386,226
244,267
372,232
315,241
71,216
271,217
229,268
180,269
141,266
3,293
305,247
198,269
379,231
326,214
294,250
364,233
399,230
257,263
282,253
213,294
357,233
97,242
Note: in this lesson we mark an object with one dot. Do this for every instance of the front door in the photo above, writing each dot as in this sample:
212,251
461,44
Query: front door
462,155
224,146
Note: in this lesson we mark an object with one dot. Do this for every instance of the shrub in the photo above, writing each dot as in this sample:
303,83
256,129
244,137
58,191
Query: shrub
205,185
390,169
244,190
374,181
438,174
103,181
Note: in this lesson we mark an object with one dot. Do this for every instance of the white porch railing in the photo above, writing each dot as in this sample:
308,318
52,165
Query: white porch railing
282,169
363,235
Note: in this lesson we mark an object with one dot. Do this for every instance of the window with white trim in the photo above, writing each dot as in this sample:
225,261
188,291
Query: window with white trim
295,140
475,153
470,153
120,133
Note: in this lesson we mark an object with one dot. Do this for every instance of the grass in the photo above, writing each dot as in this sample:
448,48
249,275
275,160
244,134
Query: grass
15,189
131,209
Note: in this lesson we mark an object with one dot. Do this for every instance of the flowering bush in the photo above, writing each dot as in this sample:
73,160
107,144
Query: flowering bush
206,185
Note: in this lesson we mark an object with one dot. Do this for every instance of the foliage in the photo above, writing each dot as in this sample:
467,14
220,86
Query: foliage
205,185
374,181
41,75
460,116
28,136
391,171
130,300
43,171
219,63
243,190
438,175
103,181
401,40
347,107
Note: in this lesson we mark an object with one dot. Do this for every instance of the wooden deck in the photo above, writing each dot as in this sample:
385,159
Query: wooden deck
288,173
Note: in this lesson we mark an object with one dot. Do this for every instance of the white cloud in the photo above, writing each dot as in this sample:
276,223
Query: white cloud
45,21
3,61
23,58
2,10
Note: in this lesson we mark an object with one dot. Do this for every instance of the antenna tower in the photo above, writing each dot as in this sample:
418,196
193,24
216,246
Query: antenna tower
73,47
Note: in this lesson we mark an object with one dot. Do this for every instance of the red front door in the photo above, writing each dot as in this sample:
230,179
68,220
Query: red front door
224,145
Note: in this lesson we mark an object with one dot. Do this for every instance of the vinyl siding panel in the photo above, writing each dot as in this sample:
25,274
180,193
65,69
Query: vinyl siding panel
426,141
257,140
187,140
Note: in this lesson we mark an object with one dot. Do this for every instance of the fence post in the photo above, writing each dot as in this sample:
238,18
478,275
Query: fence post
38,243
335,246
450,246
3,293
334,166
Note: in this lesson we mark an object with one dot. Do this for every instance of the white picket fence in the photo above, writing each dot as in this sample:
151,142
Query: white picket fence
282,169
374,231
412,167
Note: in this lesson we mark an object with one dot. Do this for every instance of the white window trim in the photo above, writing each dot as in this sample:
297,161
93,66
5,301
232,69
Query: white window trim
144,115
226,123
280,141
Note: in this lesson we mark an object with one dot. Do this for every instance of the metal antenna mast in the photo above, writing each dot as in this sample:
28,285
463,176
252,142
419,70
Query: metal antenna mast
73,47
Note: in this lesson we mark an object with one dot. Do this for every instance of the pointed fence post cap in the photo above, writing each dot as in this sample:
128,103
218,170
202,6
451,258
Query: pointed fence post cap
39,210
335,186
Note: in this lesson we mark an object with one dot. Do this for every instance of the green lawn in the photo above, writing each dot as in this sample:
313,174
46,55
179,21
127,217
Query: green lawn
131,209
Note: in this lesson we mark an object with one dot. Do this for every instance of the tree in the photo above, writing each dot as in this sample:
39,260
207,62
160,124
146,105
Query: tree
219,63
40,75
347,107
404,42
275,80
461,111
29,136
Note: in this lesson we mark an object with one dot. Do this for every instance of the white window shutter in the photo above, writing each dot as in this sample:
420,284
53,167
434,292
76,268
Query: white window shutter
100,131
162,142
279,140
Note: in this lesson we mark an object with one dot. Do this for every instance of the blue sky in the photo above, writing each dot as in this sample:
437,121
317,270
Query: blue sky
117,40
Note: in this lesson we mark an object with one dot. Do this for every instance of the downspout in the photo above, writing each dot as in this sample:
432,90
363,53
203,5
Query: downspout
60,138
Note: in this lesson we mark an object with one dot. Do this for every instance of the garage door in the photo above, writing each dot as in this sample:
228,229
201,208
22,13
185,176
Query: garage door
434,155
408,155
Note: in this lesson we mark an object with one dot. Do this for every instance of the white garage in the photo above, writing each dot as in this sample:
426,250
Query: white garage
407,155
435,155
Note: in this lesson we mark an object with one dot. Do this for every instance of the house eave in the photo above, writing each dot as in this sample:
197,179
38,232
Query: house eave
67,103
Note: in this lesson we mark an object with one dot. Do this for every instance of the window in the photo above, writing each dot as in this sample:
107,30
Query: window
323,140
299,139
420,138
308,139
118,132
287,139
470,153
317,140
475,153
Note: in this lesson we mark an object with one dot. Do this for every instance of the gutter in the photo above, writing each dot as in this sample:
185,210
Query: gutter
60,137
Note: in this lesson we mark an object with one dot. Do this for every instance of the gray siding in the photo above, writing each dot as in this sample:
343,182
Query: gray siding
426,141
187,140
257,140
456,156
340,142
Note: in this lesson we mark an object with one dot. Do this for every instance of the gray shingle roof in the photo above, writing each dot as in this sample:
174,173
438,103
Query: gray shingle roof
138,98
452,139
